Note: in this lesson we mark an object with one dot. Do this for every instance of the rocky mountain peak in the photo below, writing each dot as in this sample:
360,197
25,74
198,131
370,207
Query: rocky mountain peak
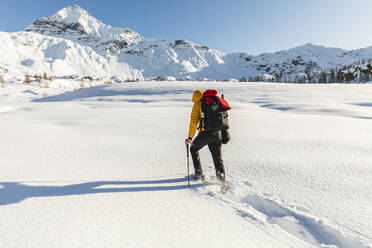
72,14
180,58
75,23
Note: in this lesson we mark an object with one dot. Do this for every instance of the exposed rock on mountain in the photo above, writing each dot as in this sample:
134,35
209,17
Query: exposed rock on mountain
74,27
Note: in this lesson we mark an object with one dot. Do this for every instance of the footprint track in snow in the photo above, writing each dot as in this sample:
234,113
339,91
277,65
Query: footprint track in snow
309,229
262,210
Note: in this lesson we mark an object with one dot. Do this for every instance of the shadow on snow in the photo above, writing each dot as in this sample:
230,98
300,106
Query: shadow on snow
103,91
15,192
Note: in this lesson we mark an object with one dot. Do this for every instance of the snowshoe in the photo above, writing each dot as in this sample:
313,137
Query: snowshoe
224,186
222,183
201,177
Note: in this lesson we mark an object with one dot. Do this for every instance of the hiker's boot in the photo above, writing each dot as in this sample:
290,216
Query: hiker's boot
220,176
198,176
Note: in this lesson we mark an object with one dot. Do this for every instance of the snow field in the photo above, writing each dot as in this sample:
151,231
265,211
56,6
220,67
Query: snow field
106,166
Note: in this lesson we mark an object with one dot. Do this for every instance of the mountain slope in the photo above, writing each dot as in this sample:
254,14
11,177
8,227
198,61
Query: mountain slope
120,48
32,53
77,24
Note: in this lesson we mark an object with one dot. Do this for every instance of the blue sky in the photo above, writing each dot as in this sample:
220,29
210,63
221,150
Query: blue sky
252,26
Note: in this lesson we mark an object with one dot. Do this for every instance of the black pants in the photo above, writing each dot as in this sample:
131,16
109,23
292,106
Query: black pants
214,142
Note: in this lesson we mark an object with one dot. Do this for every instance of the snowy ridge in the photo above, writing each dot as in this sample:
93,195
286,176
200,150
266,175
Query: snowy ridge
176,58
310,57
75,23
31,53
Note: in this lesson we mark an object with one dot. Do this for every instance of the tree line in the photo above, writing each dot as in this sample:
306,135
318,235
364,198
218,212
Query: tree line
359,72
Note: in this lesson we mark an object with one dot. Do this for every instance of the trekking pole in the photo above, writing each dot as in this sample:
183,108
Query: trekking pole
188,165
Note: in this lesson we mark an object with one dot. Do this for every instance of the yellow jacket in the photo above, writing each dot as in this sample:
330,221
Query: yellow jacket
195,113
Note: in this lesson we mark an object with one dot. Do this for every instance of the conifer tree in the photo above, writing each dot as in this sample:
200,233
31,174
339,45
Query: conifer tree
308,75
339,76
323,77
27,79
367,77
332,76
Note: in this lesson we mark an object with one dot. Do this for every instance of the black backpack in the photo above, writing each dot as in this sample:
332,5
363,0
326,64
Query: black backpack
214,116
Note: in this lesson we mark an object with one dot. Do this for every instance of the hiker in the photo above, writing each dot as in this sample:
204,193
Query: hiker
209,134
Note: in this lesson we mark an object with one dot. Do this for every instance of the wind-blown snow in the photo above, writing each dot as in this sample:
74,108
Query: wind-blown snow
106,167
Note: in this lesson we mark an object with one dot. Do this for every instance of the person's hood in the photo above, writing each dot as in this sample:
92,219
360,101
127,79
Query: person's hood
197,96
210,93
207,95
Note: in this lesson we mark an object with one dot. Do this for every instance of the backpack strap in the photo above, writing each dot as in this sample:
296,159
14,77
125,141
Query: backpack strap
202,124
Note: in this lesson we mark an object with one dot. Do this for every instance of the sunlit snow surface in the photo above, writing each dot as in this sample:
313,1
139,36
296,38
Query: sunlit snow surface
106,167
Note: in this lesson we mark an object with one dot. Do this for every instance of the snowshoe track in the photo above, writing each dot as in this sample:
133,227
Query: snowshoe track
264,211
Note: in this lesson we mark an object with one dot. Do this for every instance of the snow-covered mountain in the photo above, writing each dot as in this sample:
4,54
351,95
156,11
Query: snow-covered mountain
75,40
32,53
77,24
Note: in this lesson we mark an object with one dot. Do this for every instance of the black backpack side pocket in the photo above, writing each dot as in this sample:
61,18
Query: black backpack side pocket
225,136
